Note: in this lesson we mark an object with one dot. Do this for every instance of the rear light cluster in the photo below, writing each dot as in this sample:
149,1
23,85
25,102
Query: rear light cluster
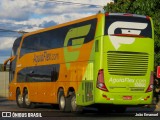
107,98
147,17
100,81
147,98
150,87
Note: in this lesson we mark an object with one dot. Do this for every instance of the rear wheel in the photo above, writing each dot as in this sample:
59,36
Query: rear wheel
19,99
74,107
64,102
26,101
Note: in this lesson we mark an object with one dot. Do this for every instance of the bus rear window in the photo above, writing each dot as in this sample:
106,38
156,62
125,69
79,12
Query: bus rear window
128,26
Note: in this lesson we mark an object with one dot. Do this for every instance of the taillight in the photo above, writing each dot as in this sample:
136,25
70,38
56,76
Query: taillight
150,86
107,14
147,17
100,81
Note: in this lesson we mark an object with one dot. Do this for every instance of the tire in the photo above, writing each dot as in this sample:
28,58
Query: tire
74,107
19,99
64,102
26,101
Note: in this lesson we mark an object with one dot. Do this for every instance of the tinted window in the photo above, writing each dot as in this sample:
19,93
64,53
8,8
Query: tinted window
128,25
45,73
16,45
13,63
55,38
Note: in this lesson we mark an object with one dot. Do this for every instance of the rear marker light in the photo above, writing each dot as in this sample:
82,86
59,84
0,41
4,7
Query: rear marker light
148,96
107,97
104,96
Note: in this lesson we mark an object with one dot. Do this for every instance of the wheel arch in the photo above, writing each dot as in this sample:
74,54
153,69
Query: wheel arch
24,89
70,91
18,89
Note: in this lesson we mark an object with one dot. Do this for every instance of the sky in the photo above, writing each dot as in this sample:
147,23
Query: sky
31,15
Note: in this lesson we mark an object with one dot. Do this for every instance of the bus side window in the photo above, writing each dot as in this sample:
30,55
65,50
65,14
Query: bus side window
55,73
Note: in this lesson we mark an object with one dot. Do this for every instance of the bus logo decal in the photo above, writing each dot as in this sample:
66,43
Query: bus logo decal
126,28
45,56
77,36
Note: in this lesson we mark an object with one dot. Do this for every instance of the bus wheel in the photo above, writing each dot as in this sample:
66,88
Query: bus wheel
19,99
64,102
74,107
27,103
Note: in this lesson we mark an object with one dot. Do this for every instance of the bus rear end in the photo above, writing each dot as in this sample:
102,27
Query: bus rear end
125,75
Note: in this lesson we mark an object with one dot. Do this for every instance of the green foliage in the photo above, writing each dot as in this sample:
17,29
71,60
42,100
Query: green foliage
142,7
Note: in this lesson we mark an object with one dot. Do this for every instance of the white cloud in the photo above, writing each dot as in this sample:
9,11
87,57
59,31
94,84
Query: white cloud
30,15
23,9
58,19
25,13
14,9
6,42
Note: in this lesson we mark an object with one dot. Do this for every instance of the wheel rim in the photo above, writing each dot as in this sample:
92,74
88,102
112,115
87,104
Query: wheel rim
73,103
62,102
27,100
20,99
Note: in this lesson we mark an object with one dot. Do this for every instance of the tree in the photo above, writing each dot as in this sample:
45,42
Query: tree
142,7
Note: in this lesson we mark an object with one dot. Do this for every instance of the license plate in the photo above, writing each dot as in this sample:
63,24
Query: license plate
127,97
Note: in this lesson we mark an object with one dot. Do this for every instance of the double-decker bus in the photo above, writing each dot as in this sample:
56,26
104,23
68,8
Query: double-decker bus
103,60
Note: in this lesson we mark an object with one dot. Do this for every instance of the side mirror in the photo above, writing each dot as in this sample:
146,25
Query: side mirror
158,71
5,67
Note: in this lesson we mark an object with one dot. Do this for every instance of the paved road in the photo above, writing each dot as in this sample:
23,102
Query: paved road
52,111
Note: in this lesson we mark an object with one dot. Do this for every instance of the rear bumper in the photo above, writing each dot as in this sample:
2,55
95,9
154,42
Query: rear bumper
118,98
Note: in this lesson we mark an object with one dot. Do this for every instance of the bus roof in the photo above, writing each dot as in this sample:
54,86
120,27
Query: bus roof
61,25
126,14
